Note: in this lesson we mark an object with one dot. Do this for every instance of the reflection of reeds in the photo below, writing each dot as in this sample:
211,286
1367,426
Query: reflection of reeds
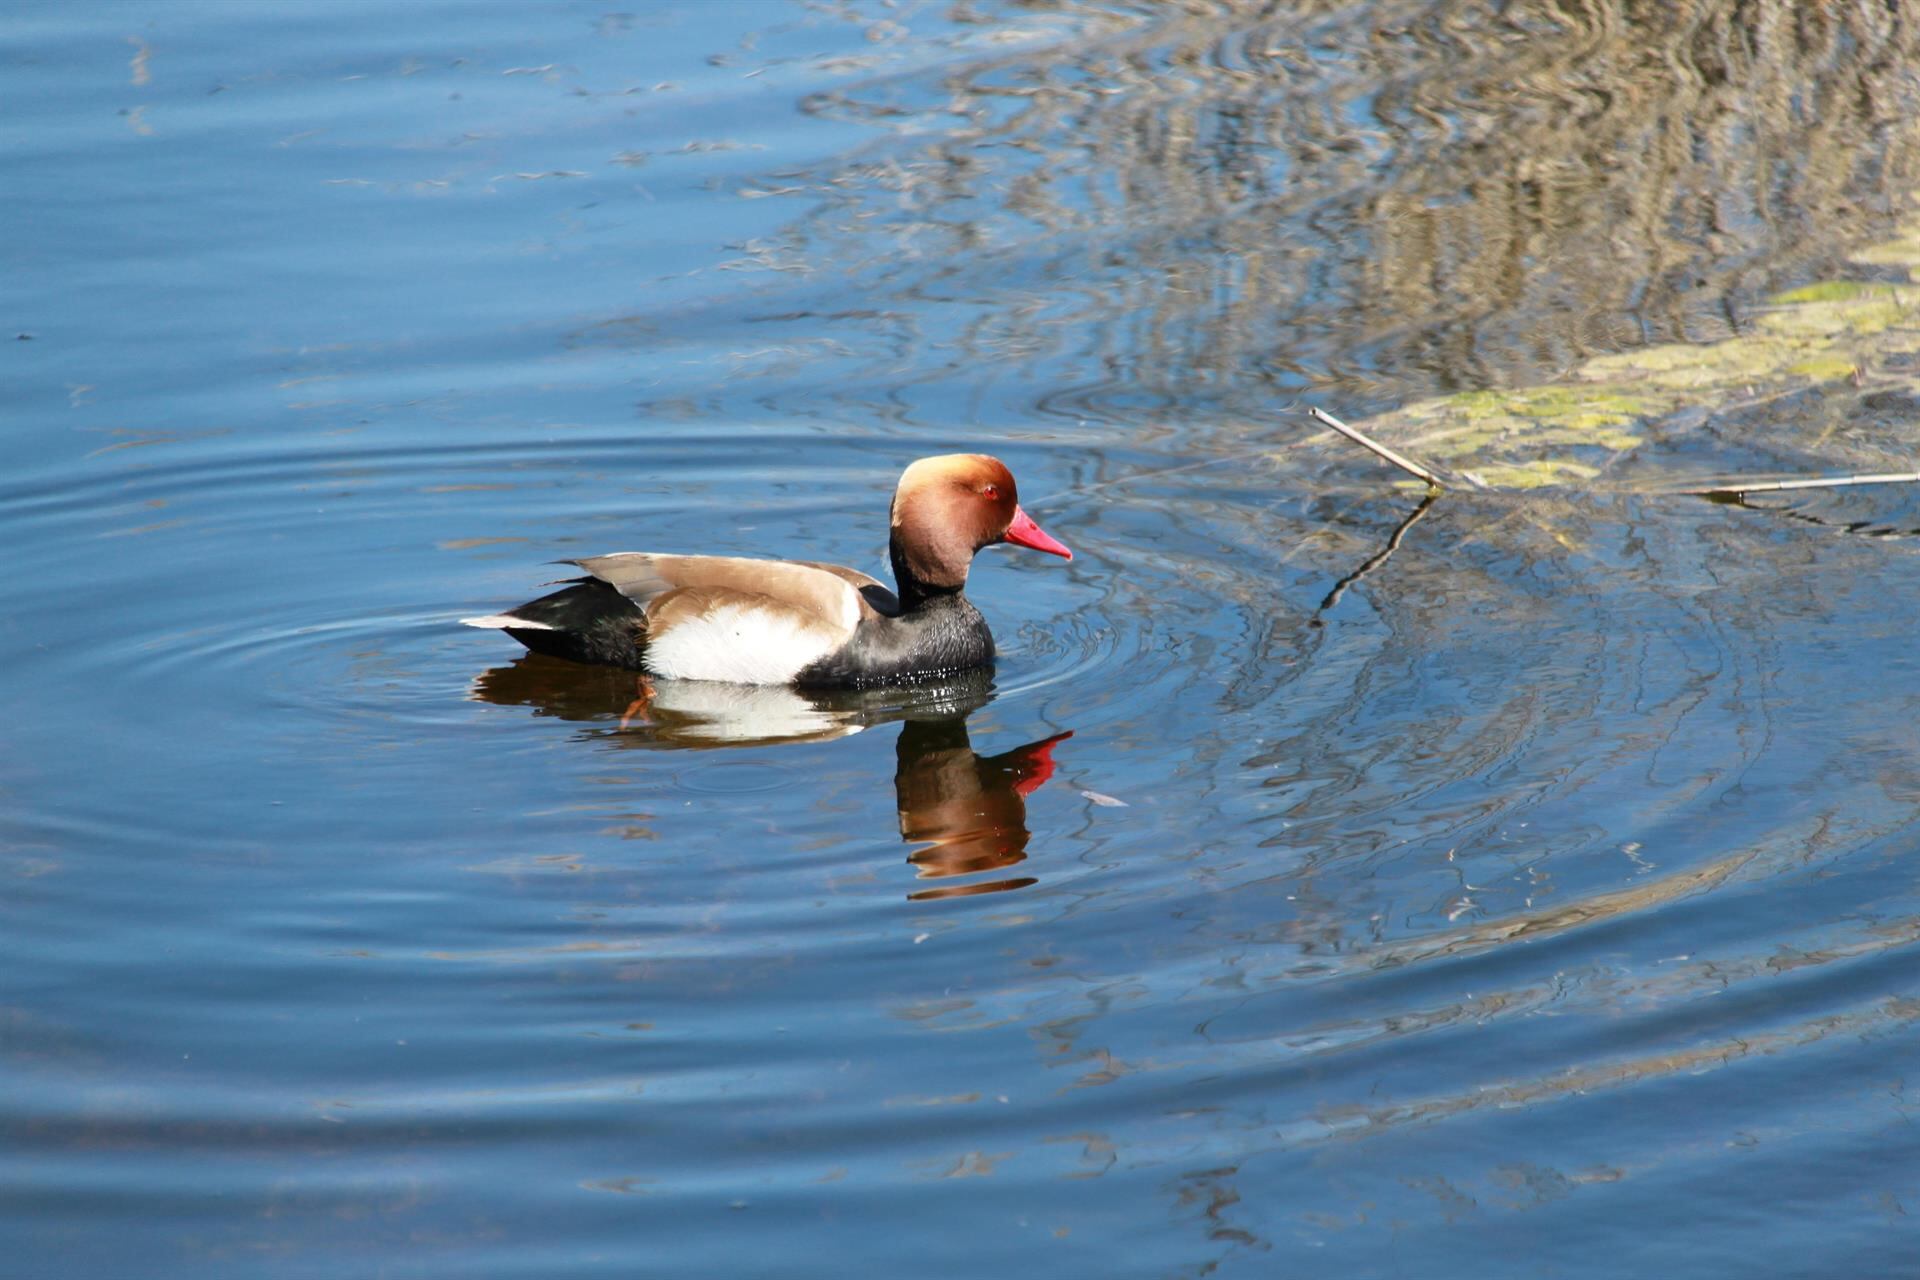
1402,196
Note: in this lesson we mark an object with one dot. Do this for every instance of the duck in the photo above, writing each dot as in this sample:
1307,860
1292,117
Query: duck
798,622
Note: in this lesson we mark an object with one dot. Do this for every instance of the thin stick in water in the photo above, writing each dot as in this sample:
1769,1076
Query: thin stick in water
1410,467
1737,488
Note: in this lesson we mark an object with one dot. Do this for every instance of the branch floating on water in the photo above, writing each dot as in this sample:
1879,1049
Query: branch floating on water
1740,488
1366,442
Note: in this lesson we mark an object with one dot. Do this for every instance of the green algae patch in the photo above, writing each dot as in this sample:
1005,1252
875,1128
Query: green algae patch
1659,372
1875,309
1478,423
1548,402
1902,251
1826,291
1829,367
1541,474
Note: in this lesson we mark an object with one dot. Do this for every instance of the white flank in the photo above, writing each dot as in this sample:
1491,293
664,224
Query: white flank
502,620
738,642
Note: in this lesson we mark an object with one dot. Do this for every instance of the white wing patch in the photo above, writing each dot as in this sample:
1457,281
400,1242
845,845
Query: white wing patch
505,620
744,643
849,607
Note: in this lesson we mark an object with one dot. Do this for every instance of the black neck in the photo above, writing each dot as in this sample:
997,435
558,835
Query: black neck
914,592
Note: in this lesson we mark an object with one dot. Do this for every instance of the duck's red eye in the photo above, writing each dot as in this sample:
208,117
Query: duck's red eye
991,491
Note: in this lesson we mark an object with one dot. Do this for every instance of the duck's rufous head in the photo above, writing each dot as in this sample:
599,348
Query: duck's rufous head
949,507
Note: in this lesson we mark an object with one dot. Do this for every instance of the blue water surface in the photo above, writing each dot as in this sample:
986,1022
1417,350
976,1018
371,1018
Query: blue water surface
1533,900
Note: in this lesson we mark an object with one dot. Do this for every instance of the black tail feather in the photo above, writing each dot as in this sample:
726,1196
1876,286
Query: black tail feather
590,621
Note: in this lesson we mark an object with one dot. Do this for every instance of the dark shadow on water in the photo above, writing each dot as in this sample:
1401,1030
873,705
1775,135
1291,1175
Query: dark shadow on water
1378,558
966,813
1859,512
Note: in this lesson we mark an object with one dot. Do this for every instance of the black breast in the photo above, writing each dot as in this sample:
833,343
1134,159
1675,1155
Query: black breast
940,637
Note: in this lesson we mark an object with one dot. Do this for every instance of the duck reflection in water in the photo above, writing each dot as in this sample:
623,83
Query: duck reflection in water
966,812
969,810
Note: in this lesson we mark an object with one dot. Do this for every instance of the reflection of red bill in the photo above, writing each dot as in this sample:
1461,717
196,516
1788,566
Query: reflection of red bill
1028,534
1036,762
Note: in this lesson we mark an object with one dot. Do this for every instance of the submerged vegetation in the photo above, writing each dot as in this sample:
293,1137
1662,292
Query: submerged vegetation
1855,333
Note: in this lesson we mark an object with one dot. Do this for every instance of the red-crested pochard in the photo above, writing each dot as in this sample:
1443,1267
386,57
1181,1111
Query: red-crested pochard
793,622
